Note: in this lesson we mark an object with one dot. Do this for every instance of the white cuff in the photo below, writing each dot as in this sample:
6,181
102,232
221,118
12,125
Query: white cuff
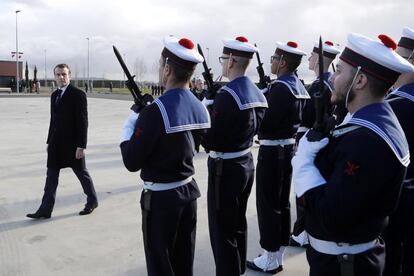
305,175
302,238
207,102
264,90
129,127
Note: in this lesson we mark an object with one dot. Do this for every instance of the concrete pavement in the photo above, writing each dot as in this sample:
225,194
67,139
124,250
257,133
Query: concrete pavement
108,242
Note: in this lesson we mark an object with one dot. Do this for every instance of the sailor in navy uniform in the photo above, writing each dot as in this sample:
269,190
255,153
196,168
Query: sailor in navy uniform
350,183
399,236
236,115
285,97
308,116
159,141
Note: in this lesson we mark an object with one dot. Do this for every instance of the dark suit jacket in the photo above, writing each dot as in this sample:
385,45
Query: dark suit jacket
68,128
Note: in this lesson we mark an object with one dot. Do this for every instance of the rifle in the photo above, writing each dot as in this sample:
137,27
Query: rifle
263,79
322,124
212,88
140,100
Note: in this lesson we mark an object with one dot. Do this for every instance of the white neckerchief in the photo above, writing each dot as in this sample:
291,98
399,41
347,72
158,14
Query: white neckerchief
347,118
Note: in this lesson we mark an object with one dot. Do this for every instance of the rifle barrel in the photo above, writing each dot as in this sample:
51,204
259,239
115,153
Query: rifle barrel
132,86
258,56
121,61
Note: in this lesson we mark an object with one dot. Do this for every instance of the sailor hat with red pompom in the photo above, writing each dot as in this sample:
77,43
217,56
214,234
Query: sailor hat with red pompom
407,39
290,48
376,57
239,46
181,51
329,49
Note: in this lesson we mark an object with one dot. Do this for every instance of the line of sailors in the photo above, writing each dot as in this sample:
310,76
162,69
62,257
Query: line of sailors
347,185
156,90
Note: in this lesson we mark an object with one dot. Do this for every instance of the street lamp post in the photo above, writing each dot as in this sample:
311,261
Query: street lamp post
45,71
208,55
124,72
88,66
17,58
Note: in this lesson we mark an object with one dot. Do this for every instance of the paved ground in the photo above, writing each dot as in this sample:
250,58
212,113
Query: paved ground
108,242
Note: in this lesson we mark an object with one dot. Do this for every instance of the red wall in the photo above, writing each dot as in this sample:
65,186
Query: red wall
8,68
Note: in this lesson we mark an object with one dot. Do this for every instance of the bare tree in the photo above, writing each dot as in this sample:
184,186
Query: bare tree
76,74
140,69
155,68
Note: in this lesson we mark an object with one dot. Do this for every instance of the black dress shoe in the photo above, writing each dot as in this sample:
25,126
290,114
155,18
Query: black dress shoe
88,209
39,215
253,266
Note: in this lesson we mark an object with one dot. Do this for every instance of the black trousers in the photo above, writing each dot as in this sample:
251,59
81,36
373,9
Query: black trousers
368,263
52,181
399,237
169,239
227,204
299,225
273,180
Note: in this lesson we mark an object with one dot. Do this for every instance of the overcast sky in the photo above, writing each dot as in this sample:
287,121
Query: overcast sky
59,28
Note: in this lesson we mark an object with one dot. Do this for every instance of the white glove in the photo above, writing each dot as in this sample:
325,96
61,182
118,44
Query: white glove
207,102
264,90
129,127
305,175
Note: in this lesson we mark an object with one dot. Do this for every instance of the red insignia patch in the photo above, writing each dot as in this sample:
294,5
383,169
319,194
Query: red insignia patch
138,132
351,168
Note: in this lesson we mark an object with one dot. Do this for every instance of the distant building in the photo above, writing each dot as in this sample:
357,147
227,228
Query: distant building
8,73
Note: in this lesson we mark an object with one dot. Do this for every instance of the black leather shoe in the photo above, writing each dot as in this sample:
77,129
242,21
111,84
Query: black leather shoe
252,266
39,215
88,209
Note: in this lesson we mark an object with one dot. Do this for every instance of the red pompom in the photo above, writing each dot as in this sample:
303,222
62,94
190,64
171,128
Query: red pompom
330,43
242,39
388,41
292,44
187,43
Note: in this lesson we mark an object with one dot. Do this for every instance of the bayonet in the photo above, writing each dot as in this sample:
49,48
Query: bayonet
140,100
211,87
319,127
263,79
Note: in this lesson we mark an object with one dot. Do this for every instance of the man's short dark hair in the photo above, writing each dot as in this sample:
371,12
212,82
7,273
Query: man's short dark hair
62,66
377,87
180,74
292,62
242,62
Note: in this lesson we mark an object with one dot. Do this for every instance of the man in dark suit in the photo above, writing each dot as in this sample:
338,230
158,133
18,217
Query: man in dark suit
66,142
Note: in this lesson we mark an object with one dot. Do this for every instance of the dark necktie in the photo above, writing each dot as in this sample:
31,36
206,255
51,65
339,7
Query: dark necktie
59,96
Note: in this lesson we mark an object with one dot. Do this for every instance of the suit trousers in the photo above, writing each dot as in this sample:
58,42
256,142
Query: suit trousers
52,181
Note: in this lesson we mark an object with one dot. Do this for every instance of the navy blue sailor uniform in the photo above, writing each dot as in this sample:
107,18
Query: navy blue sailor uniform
162,147
236,115
285,97
399,236
308,113
363,166
307,122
